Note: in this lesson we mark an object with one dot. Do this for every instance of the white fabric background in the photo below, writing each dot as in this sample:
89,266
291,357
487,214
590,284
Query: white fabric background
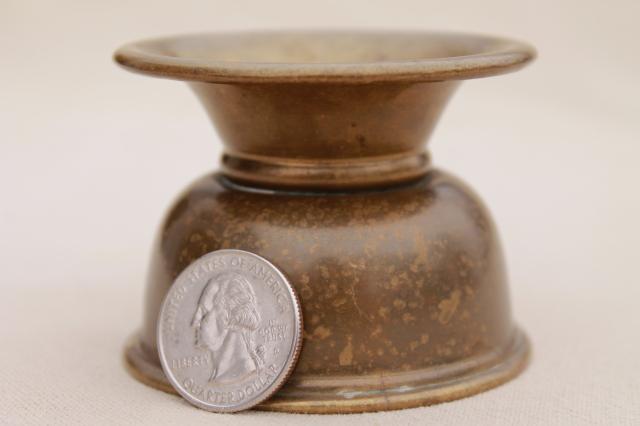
90,157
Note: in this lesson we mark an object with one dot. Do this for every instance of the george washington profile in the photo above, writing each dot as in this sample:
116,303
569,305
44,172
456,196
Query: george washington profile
225,321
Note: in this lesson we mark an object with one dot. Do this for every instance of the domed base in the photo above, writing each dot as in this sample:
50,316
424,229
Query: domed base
387,390
403,291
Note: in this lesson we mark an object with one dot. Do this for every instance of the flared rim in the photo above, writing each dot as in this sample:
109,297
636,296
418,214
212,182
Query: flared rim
325,56
364,394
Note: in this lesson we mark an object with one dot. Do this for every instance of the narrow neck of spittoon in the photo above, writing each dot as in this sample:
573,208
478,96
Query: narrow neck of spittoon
324,136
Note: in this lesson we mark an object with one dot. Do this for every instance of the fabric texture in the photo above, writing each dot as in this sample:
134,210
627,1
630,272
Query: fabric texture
91,157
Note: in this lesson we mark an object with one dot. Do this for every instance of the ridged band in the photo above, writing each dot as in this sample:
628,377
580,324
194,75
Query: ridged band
325,174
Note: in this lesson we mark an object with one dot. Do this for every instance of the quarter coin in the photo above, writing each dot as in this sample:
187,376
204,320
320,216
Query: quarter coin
229,331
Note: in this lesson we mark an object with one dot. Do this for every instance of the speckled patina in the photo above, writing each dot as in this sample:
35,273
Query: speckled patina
397,264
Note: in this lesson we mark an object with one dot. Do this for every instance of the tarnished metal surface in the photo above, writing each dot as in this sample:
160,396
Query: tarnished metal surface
397,264
400,289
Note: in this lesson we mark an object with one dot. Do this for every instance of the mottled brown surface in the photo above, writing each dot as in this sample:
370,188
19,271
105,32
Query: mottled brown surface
397,264
390,281
386,279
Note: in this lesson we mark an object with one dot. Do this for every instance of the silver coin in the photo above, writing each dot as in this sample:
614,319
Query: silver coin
229,331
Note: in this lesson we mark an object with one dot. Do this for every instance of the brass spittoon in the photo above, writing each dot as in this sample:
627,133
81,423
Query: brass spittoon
325,173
